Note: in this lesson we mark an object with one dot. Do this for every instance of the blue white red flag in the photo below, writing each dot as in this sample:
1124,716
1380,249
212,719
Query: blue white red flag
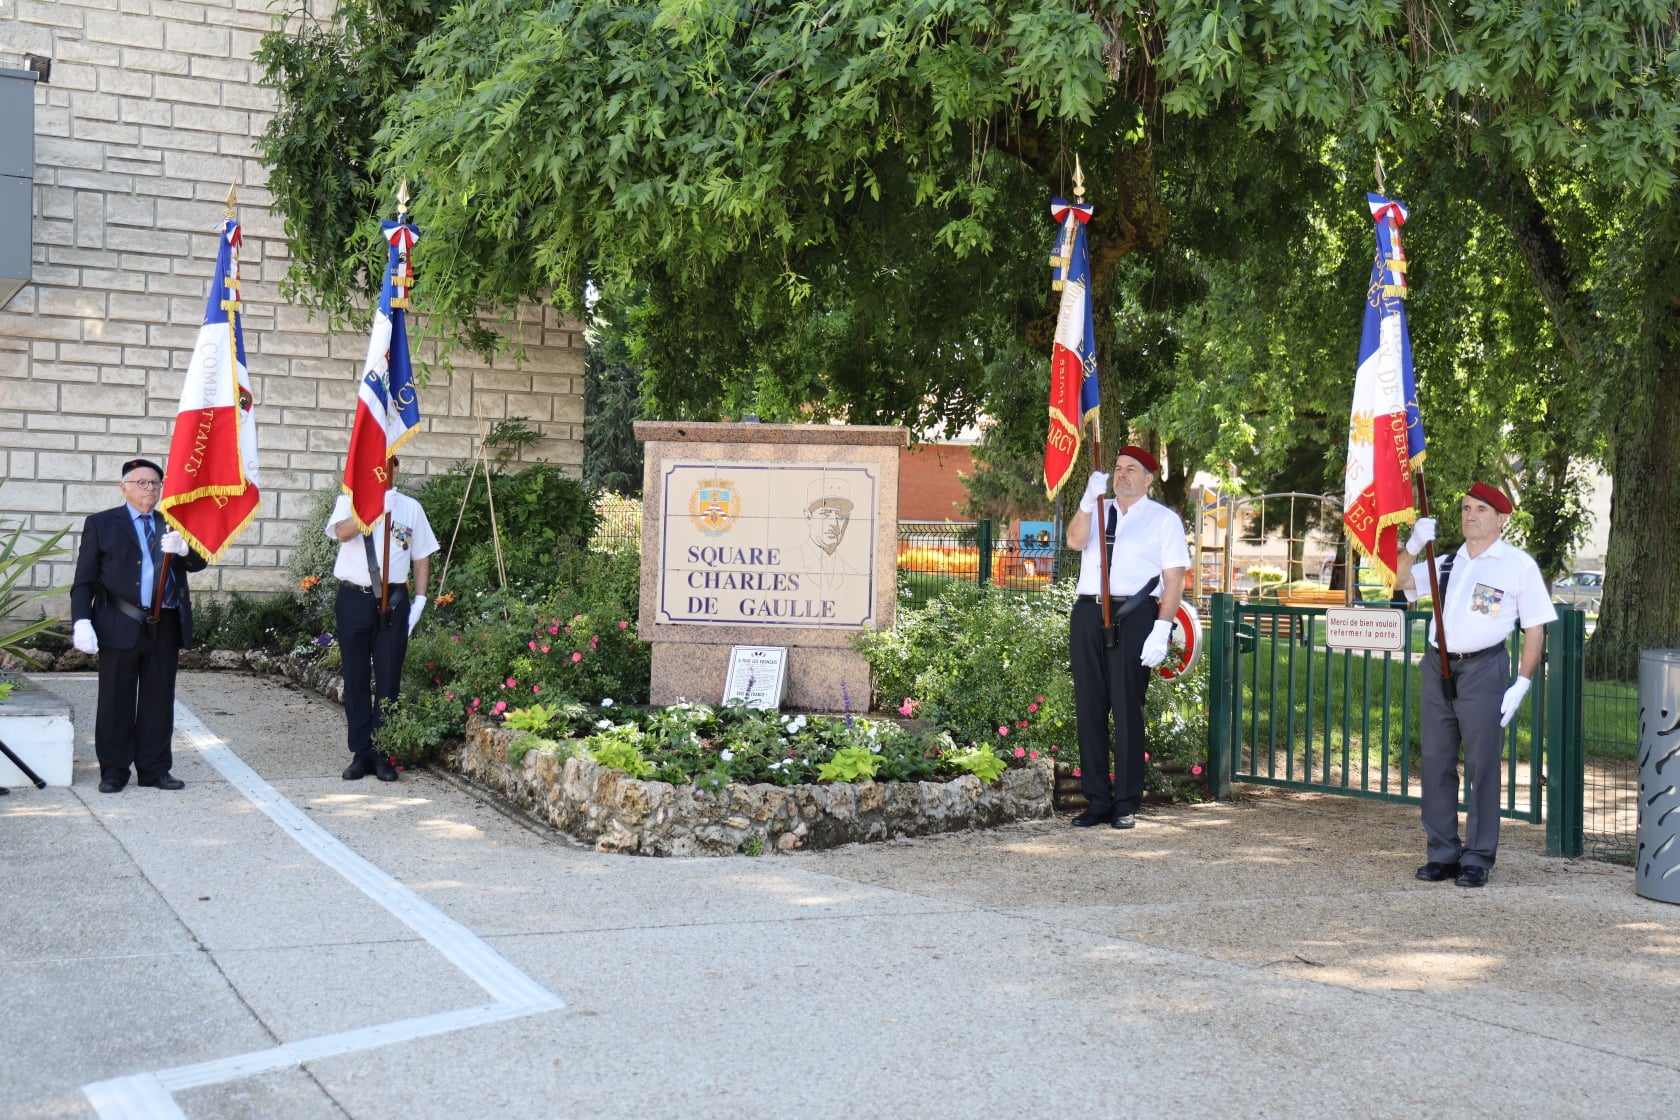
1385,433
1073,356
387,403
210,486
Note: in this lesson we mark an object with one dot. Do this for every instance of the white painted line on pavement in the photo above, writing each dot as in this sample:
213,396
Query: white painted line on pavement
150,1096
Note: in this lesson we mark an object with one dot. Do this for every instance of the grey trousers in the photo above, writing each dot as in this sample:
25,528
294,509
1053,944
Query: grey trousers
1471,721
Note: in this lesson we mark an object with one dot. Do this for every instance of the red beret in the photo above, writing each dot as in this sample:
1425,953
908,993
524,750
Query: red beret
1141,456
1482,492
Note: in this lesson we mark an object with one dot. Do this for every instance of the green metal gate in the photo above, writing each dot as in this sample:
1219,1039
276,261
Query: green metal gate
1288,710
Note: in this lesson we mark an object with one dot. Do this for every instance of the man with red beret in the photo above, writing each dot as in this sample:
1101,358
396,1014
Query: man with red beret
117,570
1147,561
1488,587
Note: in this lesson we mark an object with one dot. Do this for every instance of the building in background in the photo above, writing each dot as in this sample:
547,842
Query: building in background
142,117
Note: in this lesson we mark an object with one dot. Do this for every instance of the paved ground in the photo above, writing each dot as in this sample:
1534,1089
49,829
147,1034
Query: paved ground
275,942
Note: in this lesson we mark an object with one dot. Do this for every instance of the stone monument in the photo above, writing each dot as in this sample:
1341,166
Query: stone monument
767,535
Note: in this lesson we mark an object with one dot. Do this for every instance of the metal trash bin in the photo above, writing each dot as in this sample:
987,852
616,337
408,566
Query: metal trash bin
1657,853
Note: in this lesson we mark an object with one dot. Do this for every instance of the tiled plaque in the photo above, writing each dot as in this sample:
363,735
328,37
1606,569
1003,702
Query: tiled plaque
768,544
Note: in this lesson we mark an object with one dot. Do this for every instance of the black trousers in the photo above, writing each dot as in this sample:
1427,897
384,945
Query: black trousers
373,658
1110,682
136,718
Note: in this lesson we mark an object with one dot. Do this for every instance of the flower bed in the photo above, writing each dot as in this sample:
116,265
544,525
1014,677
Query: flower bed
617,813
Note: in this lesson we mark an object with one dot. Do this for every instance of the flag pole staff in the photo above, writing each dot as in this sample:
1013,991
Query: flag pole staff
163,568
1100,520
385,567
1449,687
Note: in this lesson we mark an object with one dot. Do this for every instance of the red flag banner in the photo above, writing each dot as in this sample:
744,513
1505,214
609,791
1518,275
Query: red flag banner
1073,356
210,487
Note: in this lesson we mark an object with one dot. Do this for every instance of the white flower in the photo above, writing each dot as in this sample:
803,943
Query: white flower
606,702
603,724
726,754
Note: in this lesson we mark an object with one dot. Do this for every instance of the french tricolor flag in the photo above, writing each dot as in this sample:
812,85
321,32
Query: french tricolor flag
1385,433
210,488
387,403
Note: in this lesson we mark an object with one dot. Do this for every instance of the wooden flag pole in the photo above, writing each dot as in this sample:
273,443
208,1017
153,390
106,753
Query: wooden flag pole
1449,687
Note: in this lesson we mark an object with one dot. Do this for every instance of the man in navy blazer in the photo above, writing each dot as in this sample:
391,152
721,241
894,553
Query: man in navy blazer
121,557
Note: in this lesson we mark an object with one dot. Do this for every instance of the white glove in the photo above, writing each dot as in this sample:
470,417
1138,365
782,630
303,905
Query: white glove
1155,646
1513,700
83,637
1094,490
414,610
173,542
1422,533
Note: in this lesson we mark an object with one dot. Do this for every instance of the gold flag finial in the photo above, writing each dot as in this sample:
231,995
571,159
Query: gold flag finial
1380,188
1078,181
402,199
232,198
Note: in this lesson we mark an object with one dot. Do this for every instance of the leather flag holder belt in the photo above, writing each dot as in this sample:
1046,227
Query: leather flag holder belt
130,609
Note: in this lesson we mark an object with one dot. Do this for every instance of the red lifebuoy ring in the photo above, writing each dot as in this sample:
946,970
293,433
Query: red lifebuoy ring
1186,645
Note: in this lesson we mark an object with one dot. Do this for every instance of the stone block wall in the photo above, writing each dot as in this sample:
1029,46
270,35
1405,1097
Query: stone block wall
152,109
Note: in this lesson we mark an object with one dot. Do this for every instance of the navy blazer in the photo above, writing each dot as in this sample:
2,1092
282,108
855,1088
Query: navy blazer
108,566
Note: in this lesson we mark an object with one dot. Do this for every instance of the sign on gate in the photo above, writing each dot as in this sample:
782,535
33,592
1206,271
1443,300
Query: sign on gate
1365,628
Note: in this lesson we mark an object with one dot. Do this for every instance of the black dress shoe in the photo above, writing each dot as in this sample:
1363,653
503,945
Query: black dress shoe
1090,818
1125,820
1472,877
1433,872
109,786
383,770
164,780
361,765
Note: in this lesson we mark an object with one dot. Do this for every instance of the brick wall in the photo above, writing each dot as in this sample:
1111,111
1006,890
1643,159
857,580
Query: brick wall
152,110
929,481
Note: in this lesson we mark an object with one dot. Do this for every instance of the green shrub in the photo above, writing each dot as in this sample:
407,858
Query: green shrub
541,515
313,552
417,726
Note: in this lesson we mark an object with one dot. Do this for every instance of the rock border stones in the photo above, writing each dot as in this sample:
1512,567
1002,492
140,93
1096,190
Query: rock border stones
617,813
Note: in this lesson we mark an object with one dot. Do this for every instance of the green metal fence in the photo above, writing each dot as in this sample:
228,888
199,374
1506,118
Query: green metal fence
1610,738
932,555
1286,709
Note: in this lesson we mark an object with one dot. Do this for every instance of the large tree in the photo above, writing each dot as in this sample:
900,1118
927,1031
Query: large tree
840,206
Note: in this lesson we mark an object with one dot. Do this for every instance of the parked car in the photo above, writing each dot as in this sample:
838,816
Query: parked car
1580,589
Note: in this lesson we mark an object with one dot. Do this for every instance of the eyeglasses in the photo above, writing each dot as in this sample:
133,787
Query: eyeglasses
144,483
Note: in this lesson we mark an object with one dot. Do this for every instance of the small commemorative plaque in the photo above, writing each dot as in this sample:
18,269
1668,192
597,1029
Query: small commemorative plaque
757,676
1365,628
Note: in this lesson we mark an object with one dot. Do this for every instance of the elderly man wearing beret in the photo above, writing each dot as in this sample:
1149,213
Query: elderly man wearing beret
117,571
1147,561
1487,588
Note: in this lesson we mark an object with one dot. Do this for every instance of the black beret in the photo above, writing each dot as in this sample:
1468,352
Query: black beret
136,464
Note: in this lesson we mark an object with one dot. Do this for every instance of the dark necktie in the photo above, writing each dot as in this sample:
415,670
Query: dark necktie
157,559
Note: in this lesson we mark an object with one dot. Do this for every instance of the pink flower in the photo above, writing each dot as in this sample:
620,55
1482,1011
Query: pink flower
555,629
576,657
1020,752
1146,756
501,706
456,638
545,649
575,617
1032,707
594,642
536,688
1003,730
1041,699
1053,748
533,646
1195,769
623,625
510,683
1076,772
1032,754
1020,723
449,696
908,708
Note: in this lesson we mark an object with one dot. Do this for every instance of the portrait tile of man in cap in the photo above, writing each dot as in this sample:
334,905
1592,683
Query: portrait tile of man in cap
828,513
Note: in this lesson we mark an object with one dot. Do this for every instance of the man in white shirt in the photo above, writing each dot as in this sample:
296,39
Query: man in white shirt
373,645
1488,587
1148,559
